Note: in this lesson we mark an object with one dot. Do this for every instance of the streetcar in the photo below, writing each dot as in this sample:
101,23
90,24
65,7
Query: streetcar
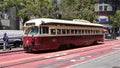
53,34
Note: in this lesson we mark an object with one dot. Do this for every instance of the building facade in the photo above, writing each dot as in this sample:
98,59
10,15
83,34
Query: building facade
104,9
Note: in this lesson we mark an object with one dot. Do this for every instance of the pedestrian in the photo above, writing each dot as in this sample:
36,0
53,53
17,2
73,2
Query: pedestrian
118,33
5,43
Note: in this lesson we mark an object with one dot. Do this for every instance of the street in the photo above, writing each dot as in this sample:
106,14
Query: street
59,33
104,55
108,61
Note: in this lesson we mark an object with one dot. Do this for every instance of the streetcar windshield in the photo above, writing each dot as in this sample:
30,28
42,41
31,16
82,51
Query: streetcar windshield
31,30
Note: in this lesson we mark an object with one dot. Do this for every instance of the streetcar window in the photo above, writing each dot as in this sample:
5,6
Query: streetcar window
75,31
88,31
85,31
31,30
68,31
58,31
97,31
82,31
27,30
30,24
40,31
79,31
45,30
63,31
53,31
94,31
34,30
91,32
72,31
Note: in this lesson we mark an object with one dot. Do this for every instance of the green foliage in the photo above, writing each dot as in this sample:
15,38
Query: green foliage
36,8
116,19
80,9
70,9
12,3
2,8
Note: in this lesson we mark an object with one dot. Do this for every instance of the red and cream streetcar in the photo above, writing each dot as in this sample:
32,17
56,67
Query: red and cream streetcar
51,34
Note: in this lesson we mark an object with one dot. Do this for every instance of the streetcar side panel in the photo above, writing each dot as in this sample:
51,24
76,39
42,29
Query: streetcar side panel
55,42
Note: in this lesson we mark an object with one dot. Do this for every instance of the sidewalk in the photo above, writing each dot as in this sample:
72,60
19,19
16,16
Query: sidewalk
117,38
12,50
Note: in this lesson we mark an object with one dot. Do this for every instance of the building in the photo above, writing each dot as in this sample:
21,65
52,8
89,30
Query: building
9,20
104,9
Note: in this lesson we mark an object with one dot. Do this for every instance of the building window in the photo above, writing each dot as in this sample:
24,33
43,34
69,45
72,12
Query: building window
100,8
105,8
105,1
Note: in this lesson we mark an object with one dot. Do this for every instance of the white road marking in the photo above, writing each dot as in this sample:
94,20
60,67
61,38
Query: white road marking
48,56
57,55
73,60
65,53
82,58
88,56
61,54
59,58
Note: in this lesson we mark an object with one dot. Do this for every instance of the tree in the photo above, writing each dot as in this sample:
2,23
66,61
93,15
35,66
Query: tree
68,9
116,19
12,5
80,9
30,8
1,6
36,8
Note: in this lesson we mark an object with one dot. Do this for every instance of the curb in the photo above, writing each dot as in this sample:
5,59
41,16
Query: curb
9,51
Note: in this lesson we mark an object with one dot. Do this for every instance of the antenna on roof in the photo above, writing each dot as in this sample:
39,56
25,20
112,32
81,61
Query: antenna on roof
42,22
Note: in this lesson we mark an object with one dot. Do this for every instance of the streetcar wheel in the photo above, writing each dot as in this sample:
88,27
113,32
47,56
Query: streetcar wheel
95,43
29,50
72,46
63,47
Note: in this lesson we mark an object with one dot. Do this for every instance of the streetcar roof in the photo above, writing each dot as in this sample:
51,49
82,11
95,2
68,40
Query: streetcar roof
48,20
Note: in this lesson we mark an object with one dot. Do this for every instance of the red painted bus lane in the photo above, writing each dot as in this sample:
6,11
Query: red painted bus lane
26,58
27,55
63,58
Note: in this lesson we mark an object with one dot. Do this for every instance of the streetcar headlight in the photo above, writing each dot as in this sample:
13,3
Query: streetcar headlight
27,41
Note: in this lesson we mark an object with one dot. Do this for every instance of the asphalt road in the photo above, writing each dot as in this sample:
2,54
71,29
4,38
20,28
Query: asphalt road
109,61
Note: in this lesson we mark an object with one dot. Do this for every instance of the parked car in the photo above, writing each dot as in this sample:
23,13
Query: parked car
15,37
107,35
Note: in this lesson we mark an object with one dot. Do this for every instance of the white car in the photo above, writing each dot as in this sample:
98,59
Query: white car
15,37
